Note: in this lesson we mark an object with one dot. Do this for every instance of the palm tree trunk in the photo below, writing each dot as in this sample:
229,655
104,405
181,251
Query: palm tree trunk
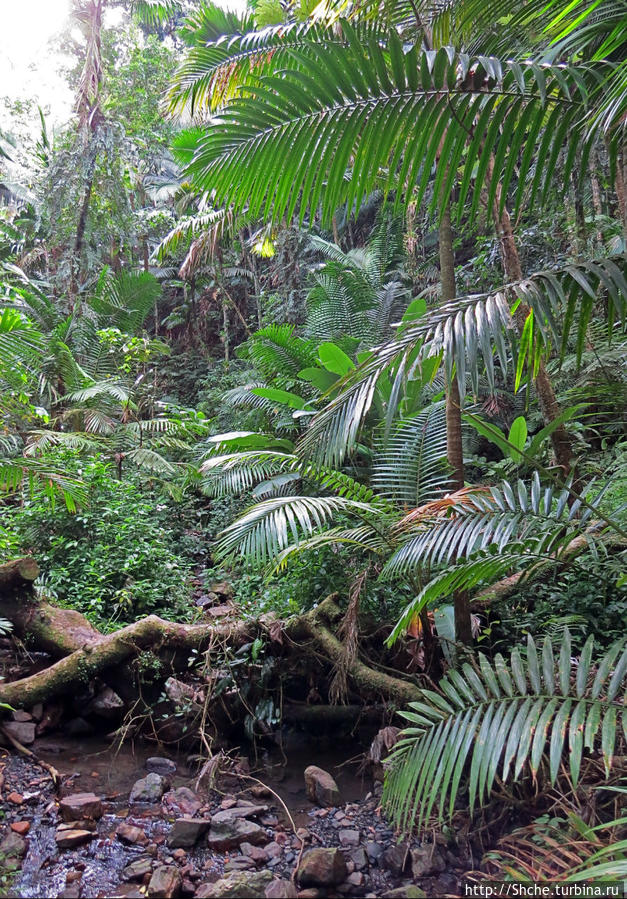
463,631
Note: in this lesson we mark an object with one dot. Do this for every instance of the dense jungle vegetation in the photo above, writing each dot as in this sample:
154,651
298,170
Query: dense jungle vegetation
325,303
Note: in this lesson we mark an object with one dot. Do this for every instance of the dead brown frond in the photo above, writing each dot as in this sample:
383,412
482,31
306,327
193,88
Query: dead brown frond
446,505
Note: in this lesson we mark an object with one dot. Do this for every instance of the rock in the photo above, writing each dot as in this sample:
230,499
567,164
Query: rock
273,850
358,858
407,891
182,801
396,858
349,838
68,839
229,833
186,832
158,765
15,798
165,883
37,711
138,869
106,704
281,889
228,815
321,867
321,788
21,715
78,727
425,861
21,827
222,589
374,851
13,844
255,853
149,788
80,805
72,891
82,824
239,864
355,879
237,885
127,833
21,731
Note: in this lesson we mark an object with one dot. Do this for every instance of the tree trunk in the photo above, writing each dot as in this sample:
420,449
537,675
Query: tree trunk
549,407
455,455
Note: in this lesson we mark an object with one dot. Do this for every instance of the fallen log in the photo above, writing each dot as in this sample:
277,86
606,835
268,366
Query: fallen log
18,573
83,653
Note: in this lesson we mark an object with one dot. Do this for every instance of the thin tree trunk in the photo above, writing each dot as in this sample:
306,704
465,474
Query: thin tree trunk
455,455
549,407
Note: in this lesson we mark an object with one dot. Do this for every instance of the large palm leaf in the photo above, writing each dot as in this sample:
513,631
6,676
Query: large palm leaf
500,720
389,112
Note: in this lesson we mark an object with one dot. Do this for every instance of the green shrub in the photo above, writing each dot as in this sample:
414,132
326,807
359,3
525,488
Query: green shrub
121,557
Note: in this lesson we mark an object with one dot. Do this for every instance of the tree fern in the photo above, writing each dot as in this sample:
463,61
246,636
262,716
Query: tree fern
499,720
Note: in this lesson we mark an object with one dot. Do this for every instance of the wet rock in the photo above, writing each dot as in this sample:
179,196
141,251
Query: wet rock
229,833
21,827
138,869
321,867
127,833
281,889
182,801
320,786
349,838
68,839
22,731
158,765
13,844
374,851
80,805
165,883
186,832
237,885
407,891
81,824
396,859
358,858
149,789
426,860
256,853
78,727
106,704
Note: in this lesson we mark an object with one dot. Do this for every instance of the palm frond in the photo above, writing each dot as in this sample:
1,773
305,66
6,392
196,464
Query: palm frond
32,475
265,530
391,110
504,720
409,464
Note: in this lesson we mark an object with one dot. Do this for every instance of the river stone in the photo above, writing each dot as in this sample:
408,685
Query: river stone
186,832
321,788
149,788
165,883
358,858
137,869
281,889
349,838
21,715
13,844
158,765
407,891
22,731
106,704
256,853
425,861
68,839
228,815
236,885
229,833
80,805
321,868
127,833
182,801
396,858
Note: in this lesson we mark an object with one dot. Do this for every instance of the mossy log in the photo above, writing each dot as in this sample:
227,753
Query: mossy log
83,653
18,573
